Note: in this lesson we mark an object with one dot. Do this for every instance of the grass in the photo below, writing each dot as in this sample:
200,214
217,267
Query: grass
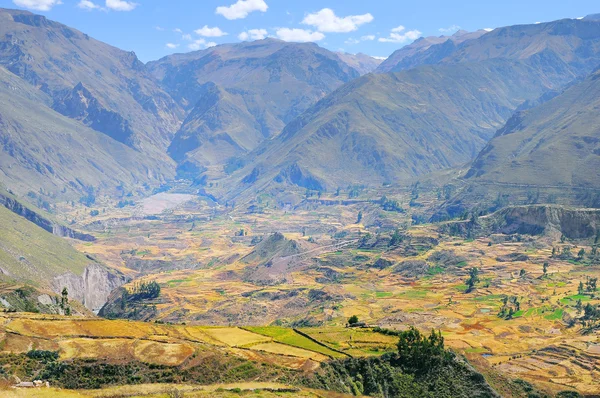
290,337
33,254
556,315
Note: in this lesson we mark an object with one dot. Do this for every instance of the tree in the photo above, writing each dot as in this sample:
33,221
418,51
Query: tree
360,217
545,268
473,279
522,273
590,284
353,320
64,302
580,289
580,254
418,354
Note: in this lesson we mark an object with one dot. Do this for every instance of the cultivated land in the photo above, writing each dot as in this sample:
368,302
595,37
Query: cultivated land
227,270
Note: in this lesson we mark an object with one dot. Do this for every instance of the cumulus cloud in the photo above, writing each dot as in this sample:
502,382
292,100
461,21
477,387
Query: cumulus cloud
172,45
187,37
120,5
200,44
242,8
449,29
177,30
326,21
88,5
400,35
210,32
299,35
39,5
253,34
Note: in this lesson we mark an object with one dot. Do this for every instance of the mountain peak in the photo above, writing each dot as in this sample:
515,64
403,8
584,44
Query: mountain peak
592,17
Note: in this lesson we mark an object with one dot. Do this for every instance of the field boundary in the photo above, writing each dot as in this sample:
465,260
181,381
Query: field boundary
321,343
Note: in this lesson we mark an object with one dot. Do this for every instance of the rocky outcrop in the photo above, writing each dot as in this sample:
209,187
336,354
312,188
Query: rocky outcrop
80,104
60,230
548,220
92,288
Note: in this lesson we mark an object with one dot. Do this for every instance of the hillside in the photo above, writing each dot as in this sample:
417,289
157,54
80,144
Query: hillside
426,51
53,156
565,48
241,94
100,86
553,144
392,127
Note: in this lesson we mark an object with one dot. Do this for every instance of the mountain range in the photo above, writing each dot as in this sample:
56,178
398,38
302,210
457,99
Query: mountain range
80,117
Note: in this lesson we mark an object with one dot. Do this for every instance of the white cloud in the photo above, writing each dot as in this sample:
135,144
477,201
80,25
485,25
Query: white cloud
397,35
120,5
379,58
200,44
253,34
210,32
187,37
352,40
242,8
299,35
159,28
449,29
326,21
88,5
39,5
177,30
172,45
488,29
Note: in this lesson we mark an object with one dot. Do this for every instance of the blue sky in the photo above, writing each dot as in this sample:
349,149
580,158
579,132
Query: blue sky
155,28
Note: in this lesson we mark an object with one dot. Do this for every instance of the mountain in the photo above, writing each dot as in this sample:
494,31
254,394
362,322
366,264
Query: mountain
361,62
30,254
47,154
592,17
554,144
568,45
240,94
392,127
105,88
426,50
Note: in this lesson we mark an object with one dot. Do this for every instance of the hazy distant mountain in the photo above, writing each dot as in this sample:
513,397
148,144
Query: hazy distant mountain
391,127
45,152
105,88
426,51
554,144
593,17
55,81
553,44
361,62
254,89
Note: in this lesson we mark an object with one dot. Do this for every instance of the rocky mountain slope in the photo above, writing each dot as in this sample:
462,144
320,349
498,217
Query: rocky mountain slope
106,89
52,156
241,94
30,254
426,51
391,127
565,48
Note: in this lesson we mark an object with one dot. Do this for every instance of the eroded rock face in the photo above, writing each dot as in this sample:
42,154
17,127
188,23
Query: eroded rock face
92,288
42,222
79,103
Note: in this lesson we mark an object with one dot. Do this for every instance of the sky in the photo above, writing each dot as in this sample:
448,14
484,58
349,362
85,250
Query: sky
156,28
